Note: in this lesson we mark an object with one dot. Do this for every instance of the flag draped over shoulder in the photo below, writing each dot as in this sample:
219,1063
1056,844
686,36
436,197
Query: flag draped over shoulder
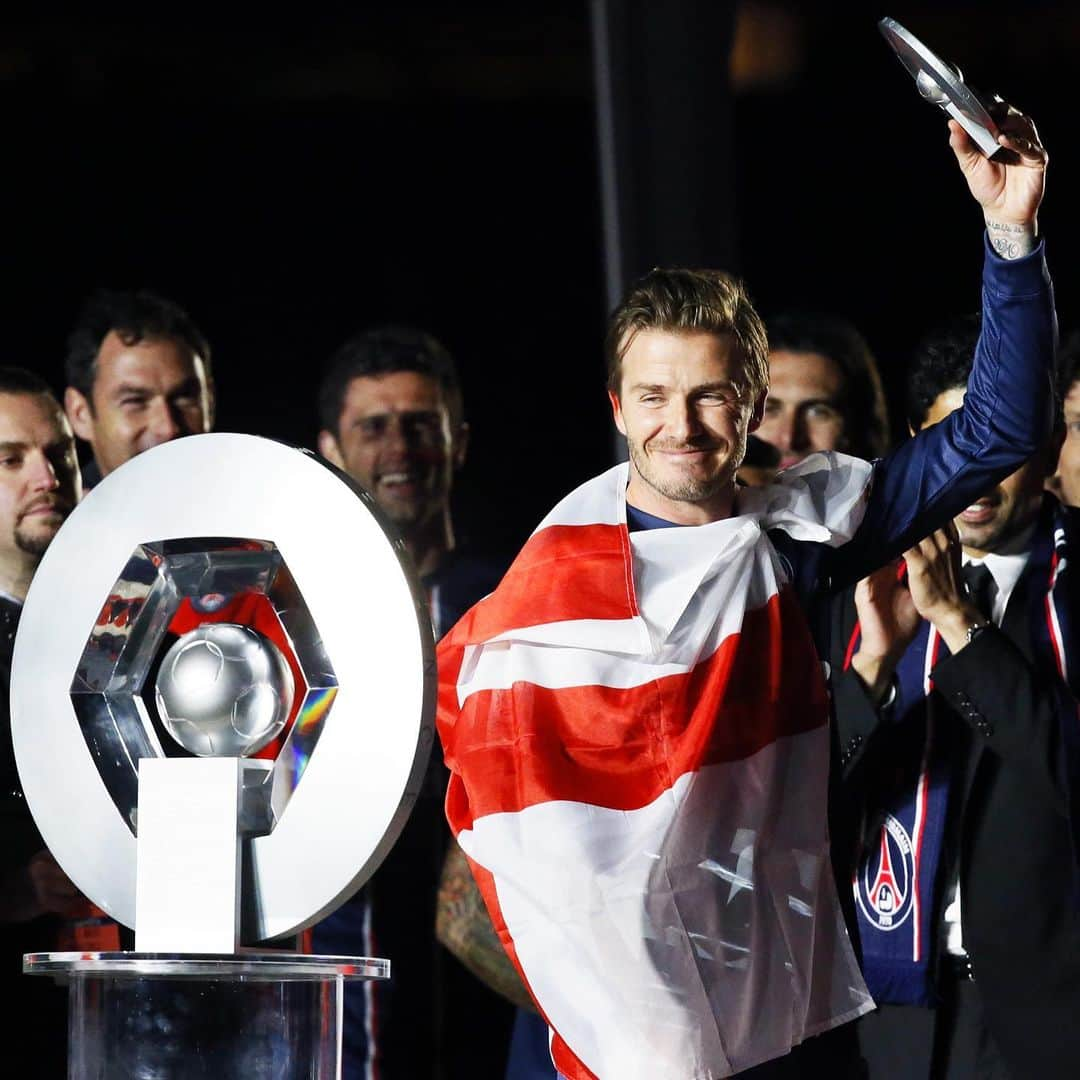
636,728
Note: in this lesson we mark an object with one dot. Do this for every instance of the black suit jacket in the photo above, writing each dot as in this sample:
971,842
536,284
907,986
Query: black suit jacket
1014,728
35,1010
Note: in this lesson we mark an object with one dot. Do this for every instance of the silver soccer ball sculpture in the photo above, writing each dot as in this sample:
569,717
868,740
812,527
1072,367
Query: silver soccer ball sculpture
224,690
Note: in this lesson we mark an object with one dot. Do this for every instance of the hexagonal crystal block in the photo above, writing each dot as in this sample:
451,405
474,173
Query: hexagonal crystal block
150,684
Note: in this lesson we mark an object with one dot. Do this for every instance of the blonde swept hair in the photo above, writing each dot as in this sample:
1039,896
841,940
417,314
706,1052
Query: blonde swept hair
690,301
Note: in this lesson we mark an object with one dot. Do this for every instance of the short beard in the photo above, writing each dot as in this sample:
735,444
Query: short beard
689,490
992,540
32,543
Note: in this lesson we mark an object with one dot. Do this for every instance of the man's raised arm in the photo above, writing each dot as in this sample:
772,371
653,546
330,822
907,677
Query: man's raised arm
1010,188
1007,410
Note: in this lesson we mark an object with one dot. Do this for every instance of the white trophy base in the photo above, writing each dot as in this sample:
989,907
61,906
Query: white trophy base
204,1017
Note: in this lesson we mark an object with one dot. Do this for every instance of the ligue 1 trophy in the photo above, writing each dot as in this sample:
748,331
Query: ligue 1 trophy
217,598
943,85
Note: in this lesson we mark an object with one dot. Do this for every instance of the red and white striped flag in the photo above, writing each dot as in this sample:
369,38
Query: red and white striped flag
636,727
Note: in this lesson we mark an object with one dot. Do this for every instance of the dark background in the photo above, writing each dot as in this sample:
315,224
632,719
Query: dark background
291,181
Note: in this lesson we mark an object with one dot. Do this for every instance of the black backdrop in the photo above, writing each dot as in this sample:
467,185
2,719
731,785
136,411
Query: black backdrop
293,181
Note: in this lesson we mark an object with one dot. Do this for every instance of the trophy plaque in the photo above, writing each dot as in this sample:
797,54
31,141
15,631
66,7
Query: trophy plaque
222,706
943,85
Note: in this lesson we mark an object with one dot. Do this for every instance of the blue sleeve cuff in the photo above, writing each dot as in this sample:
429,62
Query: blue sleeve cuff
1027,276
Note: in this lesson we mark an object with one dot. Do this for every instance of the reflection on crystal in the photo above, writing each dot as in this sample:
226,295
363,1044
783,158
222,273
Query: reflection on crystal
117,735
809,864
125,637
256,813
307,725
224,690
202,567
303,635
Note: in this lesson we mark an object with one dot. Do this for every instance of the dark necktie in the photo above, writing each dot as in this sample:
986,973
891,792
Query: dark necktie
981,588
960,748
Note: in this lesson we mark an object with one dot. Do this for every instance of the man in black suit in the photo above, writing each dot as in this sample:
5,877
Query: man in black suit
39,487
958,735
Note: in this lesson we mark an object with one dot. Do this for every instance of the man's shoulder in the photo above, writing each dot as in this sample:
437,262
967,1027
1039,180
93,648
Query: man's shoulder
463,577
467,568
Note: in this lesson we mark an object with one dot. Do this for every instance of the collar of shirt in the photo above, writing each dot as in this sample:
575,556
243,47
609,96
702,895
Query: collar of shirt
1006,571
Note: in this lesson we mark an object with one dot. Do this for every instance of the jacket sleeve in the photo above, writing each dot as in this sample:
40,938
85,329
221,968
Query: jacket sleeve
1018,715
856,718
1005,418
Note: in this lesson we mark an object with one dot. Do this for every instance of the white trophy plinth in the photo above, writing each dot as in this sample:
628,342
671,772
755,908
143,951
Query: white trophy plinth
187,616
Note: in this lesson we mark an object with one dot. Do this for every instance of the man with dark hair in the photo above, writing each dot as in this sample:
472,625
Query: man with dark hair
824,390
636,720
391,414
957,723
138,375
39,487
1065,483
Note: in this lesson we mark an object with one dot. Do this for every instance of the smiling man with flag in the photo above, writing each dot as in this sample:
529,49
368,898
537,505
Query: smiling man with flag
636,720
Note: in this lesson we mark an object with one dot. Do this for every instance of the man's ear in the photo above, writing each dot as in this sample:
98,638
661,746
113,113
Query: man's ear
79,413
461,444
757,414
616,411
328,447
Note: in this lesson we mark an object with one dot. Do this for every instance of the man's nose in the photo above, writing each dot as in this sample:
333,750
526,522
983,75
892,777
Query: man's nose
164,422
42,473
683,420
405,434
395,434
788,432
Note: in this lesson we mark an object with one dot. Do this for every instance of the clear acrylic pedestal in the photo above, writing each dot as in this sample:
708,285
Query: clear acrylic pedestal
157,1016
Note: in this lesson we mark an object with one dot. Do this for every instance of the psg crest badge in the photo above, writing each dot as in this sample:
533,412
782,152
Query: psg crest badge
884,887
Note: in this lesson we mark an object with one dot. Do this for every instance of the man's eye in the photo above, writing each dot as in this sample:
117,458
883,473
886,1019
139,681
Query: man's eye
1073,427
374,428
10,462
422,425
822,412
133,402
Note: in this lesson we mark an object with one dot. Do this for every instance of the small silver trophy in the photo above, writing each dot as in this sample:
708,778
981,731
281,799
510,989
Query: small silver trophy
215,598
943,85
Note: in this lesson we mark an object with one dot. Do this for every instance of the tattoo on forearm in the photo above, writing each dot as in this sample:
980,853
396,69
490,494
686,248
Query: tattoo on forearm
463,925
1009,240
